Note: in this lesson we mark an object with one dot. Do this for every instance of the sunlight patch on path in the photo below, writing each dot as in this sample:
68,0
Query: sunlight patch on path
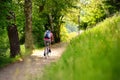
56,51
38,53
31,66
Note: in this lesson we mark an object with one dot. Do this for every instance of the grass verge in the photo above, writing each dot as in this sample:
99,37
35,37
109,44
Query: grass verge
94,55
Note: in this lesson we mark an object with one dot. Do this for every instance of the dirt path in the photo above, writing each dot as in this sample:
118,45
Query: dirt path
31,66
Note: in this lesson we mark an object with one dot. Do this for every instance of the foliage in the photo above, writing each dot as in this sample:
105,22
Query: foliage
39,20
4,42
57,10
92,12
65,35
38,32
6,60
4,8
86,13
20,19
111,6
94,55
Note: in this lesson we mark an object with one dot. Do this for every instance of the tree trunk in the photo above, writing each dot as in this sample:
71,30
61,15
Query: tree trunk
28,26
57,34
14,40
51,22
54,29
13,35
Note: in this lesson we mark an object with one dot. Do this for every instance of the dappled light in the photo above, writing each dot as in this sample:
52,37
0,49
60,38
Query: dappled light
84,34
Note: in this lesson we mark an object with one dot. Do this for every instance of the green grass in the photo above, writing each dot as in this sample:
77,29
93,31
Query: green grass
6,60
94,55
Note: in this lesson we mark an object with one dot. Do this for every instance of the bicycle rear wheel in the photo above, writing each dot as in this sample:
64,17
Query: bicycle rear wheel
46,50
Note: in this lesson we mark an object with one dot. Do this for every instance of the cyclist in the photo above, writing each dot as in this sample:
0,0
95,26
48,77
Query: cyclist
48,38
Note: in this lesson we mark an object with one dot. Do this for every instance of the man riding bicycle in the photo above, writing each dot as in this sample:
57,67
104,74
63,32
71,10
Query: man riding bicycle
48,38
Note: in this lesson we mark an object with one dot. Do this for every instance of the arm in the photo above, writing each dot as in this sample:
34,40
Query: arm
52,37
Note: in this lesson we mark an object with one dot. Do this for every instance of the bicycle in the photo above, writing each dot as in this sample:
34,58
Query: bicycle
47,49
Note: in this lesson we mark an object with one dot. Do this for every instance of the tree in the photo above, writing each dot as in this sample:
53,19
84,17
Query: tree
92,12
28,26
57,10
8,17
14,40
111,6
